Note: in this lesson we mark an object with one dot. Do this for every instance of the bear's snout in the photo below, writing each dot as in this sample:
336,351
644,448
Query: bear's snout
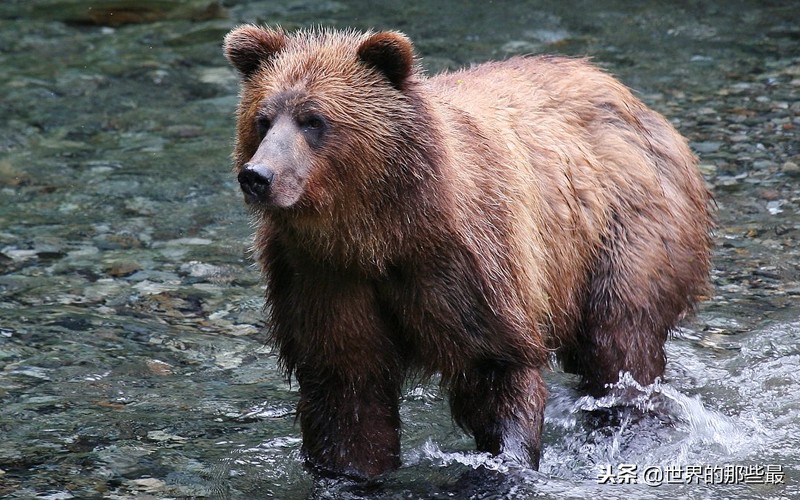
255,181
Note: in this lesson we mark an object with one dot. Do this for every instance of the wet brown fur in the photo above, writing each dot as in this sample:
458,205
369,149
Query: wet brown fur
466,224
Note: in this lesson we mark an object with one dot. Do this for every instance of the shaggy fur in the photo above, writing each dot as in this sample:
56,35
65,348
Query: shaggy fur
466,224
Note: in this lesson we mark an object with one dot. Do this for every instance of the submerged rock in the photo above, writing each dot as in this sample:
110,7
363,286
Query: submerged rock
121,12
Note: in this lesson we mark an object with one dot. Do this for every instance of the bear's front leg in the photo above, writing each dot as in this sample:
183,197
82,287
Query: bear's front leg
330,333
350,427
502,406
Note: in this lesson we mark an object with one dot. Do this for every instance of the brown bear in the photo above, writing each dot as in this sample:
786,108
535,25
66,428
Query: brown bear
469,224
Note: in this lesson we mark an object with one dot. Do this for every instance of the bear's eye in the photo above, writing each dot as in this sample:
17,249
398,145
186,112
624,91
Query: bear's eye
262,125
314,127
311,123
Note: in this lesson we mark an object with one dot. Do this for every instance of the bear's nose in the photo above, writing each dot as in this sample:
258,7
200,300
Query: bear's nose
255,181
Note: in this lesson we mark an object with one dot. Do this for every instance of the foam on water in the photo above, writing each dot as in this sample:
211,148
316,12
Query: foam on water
430,452
730,406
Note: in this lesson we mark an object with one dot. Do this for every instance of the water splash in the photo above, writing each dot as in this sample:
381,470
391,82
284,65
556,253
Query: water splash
430,452
655,424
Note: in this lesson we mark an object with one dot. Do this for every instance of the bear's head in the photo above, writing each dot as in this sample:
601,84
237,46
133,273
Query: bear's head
326,118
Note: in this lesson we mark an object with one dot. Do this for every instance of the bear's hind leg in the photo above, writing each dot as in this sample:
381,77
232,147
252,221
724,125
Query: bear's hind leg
641,286
502,406
610,347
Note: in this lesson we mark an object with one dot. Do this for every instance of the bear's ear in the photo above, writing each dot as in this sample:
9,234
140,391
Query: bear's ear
391,53
246,47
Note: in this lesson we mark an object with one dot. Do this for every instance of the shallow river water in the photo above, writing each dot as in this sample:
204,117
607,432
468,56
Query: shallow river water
132,355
